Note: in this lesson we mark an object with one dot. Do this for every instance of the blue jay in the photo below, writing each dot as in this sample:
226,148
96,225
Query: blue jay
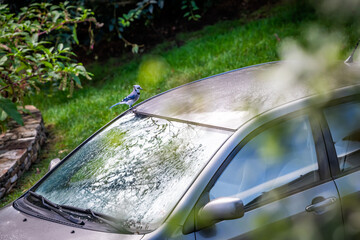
132,98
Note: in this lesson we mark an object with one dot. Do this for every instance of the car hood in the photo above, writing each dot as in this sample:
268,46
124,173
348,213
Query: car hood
17,225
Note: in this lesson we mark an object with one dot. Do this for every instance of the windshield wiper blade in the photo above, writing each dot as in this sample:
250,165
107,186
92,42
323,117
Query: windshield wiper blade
59,209
103,219
56,208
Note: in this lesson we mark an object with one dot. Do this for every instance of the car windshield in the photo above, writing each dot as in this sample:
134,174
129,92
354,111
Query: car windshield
135,170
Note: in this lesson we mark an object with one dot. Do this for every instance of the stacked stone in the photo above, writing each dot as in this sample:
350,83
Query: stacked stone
19,148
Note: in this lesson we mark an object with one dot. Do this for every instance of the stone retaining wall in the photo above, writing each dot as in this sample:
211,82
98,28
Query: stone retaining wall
19,148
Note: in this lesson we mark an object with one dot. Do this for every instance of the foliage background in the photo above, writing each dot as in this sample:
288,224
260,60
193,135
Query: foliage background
30,58
159,21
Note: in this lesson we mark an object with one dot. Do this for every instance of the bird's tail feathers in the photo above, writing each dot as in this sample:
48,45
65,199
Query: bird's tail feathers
117,104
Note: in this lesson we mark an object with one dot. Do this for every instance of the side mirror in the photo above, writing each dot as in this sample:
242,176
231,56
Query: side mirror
225,208
53,163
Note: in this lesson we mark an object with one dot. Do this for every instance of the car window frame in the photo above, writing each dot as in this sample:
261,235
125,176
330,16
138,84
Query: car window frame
329,144
323,164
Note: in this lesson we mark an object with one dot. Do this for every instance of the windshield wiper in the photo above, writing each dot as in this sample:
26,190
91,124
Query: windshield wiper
56,208
112,223
100,217
59,209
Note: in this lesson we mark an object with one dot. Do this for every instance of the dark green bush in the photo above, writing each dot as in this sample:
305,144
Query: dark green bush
29,60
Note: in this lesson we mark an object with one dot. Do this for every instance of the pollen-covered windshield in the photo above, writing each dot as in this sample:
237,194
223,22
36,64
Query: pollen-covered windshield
135,170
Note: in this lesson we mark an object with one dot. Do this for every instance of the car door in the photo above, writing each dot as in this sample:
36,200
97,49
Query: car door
281,174
343,130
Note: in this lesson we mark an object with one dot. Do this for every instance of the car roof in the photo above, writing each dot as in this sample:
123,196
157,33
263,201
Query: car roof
230,99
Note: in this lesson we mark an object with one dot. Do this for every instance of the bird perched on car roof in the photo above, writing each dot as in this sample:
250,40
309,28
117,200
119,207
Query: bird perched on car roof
132,98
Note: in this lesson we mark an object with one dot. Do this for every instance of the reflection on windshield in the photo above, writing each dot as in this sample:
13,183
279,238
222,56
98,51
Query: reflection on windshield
136,169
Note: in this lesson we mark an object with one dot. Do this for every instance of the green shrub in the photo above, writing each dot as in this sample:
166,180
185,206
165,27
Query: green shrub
29,62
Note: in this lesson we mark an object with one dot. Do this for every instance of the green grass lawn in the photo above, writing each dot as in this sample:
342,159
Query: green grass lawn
221,47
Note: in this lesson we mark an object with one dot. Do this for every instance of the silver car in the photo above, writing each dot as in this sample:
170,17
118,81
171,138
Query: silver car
232,156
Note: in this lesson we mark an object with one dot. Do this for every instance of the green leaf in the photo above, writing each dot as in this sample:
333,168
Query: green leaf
74,34
34,39
193,4
60,46
3,60
77,79
47,64
54,7
61,65
10,108
3,115
56,16
81,68
63,57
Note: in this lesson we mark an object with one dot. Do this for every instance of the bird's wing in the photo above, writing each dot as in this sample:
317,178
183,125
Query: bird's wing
117,104
132,96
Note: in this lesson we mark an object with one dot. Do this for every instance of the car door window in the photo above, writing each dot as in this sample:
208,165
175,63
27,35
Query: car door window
278,159
343,121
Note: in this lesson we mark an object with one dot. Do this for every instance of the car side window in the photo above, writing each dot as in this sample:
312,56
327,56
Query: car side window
275,161
344,124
